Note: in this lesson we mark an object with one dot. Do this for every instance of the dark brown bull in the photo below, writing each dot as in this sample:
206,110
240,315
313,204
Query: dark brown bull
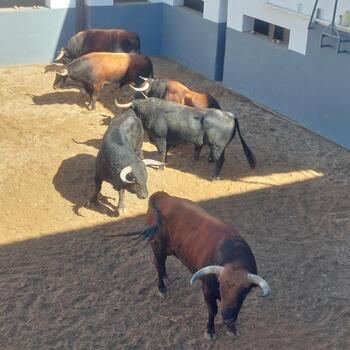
94,70
99,40
172,90
209,248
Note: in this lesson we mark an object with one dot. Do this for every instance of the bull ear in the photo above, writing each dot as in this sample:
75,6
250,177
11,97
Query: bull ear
209,270
259,281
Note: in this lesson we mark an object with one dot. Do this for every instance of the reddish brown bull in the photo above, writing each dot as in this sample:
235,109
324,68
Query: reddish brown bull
172,90
209,248
94,70
99,40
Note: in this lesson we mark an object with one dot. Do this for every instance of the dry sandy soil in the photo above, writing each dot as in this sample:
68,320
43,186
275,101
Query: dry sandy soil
65,284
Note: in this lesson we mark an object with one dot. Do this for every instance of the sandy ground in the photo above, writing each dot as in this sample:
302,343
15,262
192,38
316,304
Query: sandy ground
64,284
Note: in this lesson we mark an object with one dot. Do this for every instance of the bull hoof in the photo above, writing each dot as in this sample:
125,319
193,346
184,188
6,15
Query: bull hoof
162,295
90,204
209,336
233,334
215,178
122,211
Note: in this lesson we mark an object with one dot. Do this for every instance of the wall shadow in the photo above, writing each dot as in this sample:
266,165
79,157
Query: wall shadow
82,285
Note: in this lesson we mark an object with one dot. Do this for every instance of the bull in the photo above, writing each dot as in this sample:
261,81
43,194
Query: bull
99,40
168,123
94,70
212,250
119,161
172,90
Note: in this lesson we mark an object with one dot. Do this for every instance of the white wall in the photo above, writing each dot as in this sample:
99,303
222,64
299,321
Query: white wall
283,13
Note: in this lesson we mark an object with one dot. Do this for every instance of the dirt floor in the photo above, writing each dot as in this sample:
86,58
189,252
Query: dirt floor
65,284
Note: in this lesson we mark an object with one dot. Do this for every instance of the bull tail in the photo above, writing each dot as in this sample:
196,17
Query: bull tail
149,232
248,153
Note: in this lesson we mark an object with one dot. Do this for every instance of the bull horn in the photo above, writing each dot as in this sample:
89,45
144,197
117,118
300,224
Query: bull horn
127,170
216,270
143,78
122,105
152,162
259,281
144,95
64,72
142,88
60,55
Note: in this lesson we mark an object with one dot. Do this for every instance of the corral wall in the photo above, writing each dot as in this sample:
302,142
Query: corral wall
142,18
33,36
312,89
194,41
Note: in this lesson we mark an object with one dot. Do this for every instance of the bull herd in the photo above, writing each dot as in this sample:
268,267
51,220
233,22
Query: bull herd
170,113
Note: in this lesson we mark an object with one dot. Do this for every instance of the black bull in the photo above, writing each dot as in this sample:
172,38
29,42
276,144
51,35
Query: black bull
168,123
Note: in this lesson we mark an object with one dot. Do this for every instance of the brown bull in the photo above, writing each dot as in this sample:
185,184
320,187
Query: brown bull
172,90
209,248
94,70
99,40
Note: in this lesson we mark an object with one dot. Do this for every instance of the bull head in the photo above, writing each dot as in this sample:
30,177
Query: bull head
234,285
128,170
217,270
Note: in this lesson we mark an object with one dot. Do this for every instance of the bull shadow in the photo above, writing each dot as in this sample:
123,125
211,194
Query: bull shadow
72,96
74,180
61,97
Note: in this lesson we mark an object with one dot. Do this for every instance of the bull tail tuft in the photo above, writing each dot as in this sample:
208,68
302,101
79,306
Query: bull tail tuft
248,153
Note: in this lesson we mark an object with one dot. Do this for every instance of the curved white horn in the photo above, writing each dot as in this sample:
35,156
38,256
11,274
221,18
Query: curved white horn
64,72
142,88
216,270
127,170
60,54
143,78
152,162
122,105
261,283
144,95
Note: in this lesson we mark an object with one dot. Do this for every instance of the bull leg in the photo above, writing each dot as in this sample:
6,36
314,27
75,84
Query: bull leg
159,262
197,151
219,158
94,198
121,206
93,98
210,295
161,145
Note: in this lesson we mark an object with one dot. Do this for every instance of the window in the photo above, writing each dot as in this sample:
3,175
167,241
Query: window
275,33
196,5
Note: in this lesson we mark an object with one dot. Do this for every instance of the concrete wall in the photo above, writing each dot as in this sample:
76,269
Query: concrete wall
34,36
193,41
142,18
311,89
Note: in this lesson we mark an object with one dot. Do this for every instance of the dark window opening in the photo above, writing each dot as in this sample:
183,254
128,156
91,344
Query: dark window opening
275,33
196,5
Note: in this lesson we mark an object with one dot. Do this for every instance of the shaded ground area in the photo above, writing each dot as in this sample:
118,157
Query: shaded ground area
65,284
